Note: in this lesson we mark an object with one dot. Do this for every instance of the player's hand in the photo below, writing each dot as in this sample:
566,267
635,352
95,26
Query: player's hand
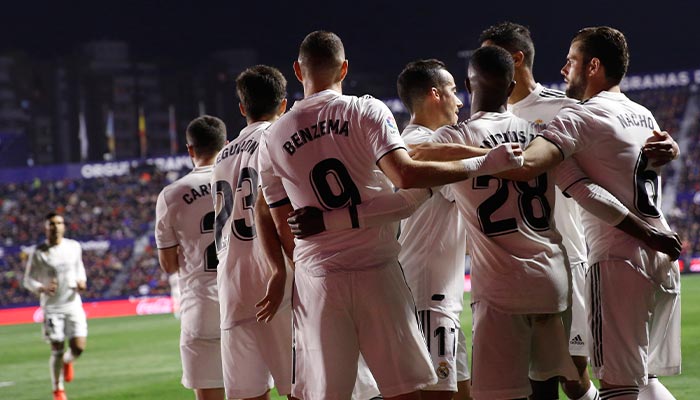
306,221
667,242
429,151
502,158
273,298
661,148
50,288
80,286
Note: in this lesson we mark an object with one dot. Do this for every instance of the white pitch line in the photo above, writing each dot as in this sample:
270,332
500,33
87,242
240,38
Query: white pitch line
5,384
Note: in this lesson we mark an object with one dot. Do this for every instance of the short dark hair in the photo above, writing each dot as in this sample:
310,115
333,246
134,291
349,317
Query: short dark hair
493,62
609,46
261,89
512,37
206,134
51,215
321,50
416,80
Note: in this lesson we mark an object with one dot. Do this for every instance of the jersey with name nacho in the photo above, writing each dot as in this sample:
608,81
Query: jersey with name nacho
185,218
433,245
540,107
324,153
605,135
518,262
243,271
64,263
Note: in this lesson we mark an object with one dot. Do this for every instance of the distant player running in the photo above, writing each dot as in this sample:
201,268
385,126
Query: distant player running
56,272
185,238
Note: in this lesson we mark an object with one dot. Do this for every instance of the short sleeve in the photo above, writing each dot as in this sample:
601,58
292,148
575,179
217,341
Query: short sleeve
571,130
164,232
379,125
271,184
449,134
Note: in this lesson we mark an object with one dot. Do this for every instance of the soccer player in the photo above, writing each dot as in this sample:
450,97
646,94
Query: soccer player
532,102
256,349
433,239
350,296
56,272
631,278
185,238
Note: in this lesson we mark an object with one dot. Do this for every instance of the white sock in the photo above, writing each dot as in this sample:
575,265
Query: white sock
655,390
56,369
68,357
620,393
591,394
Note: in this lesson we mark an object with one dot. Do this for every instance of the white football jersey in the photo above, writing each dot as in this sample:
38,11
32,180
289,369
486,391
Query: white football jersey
518,261
323,152
433,245
185,218
605,135
243,270
540,107
62,262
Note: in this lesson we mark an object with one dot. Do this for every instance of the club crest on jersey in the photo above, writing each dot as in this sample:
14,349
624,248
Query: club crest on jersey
443,371
391,123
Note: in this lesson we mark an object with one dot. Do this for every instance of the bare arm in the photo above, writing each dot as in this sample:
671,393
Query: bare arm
431,151
540,156
169,259
605,206
406,173
272,240
380,210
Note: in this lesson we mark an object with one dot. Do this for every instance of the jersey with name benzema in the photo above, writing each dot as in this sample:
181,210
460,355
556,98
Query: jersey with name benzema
64,263
433,245
518,261
243,271
605,135
540,107
324,153
185,218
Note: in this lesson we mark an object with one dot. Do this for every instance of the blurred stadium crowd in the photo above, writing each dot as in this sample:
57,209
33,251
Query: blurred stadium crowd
120,211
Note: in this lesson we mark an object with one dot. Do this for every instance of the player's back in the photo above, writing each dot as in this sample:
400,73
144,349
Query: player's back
185,217
325,151
243,274
608,149
433,244
540,107
518,261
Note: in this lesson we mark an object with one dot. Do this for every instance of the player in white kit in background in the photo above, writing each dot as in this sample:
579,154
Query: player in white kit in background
535,103
324,152
184,235
256,350
433,239
606,134
56,272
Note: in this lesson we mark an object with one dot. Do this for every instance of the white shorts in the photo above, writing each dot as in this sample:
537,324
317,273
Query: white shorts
339,315
626,343
365,386
509,349
447,347
258,356
579,333
60,326
201,362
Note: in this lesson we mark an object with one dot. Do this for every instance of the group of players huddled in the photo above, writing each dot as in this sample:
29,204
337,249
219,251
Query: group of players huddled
294,273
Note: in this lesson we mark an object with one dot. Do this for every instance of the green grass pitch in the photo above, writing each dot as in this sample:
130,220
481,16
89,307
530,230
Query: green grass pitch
138,358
